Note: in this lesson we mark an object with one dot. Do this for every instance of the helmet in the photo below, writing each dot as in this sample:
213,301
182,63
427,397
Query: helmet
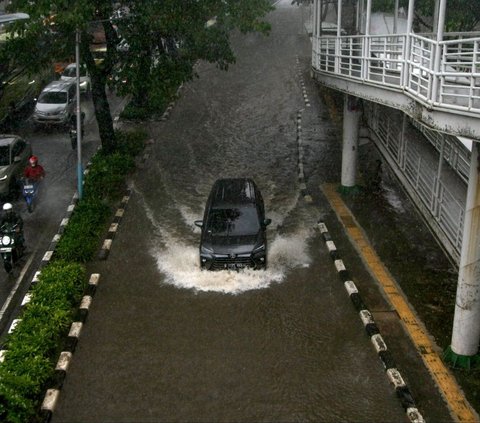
33,160
7,207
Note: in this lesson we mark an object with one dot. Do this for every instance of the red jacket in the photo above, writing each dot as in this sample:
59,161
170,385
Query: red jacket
34,172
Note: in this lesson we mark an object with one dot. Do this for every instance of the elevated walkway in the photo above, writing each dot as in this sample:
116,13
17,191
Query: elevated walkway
401,71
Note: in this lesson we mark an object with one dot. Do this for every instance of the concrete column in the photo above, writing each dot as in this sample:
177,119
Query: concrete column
351,120
408,43
466,323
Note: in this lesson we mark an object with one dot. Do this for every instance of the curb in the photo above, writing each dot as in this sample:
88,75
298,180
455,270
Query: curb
51,397
371,328
107,243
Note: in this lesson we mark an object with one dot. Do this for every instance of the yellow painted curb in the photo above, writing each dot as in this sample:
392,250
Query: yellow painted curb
459,406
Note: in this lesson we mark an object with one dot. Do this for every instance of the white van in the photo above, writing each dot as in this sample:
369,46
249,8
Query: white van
55,104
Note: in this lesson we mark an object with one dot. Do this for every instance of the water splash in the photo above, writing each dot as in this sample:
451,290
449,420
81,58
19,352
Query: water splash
180,263
178,259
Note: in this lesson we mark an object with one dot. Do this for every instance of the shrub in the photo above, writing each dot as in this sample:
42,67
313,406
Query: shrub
33,347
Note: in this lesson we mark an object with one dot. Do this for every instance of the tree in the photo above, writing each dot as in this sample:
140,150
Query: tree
151,44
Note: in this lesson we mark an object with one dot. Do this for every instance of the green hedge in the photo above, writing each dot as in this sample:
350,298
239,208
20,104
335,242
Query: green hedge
34,346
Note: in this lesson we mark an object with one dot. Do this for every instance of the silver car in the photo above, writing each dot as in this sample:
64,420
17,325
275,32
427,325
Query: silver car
14,155
56,104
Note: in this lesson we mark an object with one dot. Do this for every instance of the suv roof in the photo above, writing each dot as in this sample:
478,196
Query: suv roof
233,191
58,86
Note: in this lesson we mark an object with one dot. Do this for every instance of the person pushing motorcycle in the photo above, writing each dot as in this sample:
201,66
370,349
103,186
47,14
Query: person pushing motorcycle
34,171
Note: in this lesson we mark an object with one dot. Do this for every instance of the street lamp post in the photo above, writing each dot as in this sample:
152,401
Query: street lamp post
79,118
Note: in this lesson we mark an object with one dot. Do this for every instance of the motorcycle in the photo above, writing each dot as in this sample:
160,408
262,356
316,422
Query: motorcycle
29,190
11,245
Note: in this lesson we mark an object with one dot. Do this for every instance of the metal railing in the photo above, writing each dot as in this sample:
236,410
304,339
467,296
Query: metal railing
443,207
407,62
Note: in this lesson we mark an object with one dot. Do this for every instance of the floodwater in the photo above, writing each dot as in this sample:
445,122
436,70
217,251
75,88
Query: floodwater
166,341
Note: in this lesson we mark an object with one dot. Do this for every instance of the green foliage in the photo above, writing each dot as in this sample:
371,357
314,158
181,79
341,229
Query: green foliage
32,348
165,39
34,345
80,239
104,184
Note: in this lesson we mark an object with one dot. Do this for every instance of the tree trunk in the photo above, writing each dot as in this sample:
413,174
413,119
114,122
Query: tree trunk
102,113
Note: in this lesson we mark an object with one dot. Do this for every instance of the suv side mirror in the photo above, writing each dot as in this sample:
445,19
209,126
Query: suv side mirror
199,223
267,222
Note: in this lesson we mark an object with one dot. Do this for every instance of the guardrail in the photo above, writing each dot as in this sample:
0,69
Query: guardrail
443,74
443,207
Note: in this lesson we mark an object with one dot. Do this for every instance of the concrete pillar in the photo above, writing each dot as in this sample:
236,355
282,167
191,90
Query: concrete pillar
466,323
408,43
351,120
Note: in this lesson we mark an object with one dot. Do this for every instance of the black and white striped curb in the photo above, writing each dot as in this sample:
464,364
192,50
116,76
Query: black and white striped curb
301,154
302,82
107,243
401,388
51,397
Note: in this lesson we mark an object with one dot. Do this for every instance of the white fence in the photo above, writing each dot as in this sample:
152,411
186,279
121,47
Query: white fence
441,74
444,209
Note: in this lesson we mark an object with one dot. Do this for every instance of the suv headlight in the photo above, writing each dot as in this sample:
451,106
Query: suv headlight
259,249
206,251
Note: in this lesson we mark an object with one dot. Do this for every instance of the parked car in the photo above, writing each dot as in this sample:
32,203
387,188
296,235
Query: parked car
55,104
14,154
234,227
69,74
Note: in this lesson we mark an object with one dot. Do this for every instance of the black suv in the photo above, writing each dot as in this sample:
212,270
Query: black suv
233,227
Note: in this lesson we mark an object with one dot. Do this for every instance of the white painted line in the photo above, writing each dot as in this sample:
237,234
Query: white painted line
47,256
339,265
15,288
119,213
107,244
13,325
86,302
71,207
366,317
36,277
2,355
56,238
50,400
350,287
64,361
331,246
378,343
125,198
94,279
113,227
322,227
75,329
414,415
64,221
27,298
395,378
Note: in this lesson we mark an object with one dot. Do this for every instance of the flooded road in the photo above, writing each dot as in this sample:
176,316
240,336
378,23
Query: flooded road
167,342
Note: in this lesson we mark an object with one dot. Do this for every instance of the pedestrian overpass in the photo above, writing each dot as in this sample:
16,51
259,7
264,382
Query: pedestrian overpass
434,79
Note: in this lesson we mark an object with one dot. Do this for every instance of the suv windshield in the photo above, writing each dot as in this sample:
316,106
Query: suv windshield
53,97
233,221
4,155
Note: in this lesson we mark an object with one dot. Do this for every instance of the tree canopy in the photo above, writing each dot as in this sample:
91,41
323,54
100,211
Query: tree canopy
149,46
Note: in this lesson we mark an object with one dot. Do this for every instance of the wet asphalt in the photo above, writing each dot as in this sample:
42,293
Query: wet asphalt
166,342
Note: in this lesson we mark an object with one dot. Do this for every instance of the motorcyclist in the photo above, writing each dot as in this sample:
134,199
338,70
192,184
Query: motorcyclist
34,171
12,218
